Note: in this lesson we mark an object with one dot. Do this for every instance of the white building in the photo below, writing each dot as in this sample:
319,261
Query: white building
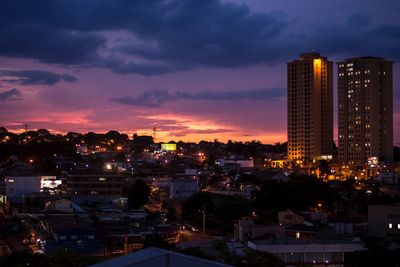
18,186
49,182
321,252
183,188
242,163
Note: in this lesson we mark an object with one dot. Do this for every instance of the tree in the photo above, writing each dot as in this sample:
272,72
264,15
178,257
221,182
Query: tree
142,140
171,216
62,258
25,258
138,194
155,240
68,258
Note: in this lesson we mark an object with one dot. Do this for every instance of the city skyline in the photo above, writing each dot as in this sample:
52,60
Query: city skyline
223,77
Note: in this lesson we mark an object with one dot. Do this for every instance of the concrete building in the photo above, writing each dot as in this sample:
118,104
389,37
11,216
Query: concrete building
384,221
49,182
18,186
310,107
94,184
315,252
365,99
246,230
176,188
183,189
241,163
63,205
288,217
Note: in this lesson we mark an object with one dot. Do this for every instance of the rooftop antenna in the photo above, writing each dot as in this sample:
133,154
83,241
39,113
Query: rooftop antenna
154,134
26,128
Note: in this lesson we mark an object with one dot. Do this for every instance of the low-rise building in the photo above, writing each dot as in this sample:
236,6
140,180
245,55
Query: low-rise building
18,186
247,230
384,221
183,188
242,163
289,216
316,252
67,228
94,184
63,205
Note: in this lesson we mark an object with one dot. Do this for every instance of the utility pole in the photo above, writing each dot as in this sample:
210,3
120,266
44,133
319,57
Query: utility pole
204,219
126,244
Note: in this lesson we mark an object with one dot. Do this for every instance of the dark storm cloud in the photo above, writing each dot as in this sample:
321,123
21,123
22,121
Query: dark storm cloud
188,34
48,43
32,77
147,69
355,36
9,94
358,20
388,31
155,98
163,36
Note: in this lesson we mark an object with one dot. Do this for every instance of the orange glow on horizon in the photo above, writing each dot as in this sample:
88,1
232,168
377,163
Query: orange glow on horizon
170,127
165,136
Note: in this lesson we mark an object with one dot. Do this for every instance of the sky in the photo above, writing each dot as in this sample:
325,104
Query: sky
194,70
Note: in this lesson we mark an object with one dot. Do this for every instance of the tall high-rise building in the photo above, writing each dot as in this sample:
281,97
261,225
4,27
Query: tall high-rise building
310,107
365,88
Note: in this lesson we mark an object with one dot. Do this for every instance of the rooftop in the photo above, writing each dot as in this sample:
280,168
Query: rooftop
158,257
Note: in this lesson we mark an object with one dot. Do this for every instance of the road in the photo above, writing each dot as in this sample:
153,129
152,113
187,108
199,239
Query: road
194,239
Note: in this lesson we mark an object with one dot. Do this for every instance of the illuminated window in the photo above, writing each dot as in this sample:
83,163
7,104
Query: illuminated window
390,226
297,235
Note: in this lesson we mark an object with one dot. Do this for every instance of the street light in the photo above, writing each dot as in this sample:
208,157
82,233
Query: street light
204,218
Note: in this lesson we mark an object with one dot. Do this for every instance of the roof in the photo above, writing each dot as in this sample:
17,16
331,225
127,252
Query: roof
306,246
301,228
363,58
158,257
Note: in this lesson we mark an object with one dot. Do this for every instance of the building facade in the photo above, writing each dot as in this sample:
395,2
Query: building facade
19,186
308,252
310,107
94,184
384,221
365,99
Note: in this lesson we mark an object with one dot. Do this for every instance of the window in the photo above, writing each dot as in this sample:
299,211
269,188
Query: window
390,226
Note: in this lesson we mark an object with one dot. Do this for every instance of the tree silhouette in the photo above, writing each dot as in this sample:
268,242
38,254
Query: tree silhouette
138,194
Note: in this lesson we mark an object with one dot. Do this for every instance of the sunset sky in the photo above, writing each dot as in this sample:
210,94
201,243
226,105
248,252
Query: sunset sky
195,69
